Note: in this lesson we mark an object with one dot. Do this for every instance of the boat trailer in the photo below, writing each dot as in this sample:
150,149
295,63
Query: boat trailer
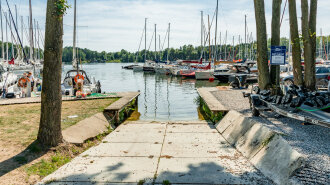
298,107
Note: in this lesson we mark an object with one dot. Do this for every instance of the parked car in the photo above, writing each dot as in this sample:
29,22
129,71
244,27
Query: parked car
322,74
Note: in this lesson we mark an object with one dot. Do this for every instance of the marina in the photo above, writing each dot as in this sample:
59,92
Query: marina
205,94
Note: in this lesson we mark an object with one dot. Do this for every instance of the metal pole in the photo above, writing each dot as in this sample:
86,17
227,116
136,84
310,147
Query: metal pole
145,40
208,17
220,47
216,32
74,56
31,33
233,47
2,44
168,40
202,29
155,42
6,37
226,46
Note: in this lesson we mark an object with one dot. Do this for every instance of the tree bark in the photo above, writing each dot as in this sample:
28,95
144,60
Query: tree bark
310,79
262,51
296,53
50,133
275,41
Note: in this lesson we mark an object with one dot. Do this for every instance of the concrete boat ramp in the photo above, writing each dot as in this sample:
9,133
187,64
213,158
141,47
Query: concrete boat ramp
156,152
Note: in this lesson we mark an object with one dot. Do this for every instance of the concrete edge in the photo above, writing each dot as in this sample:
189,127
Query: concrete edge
263,147
96,124
213,104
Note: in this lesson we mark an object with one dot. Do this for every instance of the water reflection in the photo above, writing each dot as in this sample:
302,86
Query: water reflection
162,97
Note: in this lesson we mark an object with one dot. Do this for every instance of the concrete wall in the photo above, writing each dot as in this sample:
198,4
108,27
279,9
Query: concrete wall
265,149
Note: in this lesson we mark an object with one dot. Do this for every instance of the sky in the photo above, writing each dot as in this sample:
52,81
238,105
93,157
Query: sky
112,25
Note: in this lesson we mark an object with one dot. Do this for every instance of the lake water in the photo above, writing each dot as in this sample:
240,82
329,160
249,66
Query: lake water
162,97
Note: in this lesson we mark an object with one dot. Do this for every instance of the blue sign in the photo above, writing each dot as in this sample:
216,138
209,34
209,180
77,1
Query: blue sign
277,55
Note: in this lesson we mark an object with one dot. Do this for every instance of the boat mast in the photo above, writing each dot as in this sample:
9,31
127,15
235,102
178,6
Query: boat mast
320,50
31,32
201,28
208,18
22,34
74,58
245,39
233,47
216,31
239,46
145,40
226,46
168,40
155,42
2,44
6,37
220,47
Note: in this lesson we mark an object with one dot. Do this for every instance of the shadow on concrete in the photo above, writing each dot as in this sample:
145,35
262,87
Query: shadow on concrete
201,173
29,154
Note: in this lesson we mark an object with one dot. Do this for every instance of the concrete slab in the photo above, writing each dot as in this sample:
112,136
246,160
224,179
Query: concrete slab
141,128
204,150
194,138
210,100
237,129
124,150
229,118
278,160
189,122
87,183
86,129
125,99
135,137
192,128
206,171
106,169
252,141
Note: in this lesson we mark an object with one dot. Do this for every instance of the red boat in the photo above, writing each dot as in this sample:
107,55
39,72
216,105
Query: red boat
188,74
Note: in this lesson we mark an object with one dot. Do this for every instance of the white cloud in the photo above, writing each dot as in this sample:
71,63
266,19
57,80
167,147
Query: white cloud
117,24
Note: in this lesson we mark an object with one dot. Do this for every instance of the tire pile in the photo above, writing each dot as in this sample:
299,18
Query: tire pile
295,97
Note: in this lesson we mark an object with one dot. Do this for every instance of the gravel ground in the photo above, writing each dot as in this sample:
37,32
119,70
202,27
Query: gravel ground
312,141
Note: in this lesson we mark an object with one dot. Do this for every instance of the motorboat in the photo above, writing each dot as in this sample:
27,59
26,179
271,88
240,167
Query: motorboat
8,83
236,69
71,80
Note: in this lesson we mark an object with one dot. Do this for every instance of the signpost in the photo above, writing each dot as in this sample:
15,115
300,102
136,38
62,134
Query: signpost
277,55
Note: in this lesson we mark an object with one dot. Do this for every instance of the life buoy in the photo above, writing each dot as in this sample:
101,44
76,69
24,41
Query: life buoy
78,76
22,82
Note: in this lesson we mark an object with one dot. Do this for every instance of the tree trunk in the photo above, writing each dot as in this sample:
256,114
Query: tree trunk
296,53
275,41
263,75
50,133
310,79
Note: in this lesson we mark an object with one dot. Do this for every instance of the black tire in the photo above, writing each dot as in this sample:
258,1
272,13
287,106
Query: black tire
255,112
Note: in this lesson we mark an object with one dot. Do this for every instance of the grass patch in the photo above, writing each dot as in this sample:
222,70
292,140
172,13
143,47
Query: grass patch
268,140
166,182
48,166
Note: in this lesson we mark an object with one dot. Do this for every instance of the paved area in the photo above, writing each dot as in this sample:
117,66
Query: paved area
178,152
312,141
125,95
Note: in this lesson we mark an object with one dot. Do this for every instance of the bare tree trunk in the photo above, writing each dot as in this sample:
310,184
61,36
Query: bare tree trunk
50,132
275,41
310,79
263,77
296,53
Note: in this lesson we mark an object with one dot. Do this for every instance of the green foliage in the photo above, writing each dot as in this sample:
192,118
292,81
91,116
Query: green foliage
207,113
61,6
46,167
166,182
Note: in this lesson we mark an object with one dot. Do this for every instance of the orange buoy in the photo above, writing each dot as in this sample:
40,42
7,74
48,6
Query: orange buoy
78,76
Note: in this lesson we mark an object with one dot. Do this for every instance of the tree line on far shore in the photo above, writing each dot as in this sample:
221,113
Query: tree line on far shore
186,52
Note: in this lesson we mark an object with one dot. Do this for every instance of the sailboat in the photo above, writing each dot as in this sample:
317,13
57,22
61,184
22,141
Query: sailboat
76,81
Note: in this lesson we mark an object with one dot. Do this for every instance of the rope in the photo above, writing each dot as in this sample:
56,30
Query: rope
283,12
